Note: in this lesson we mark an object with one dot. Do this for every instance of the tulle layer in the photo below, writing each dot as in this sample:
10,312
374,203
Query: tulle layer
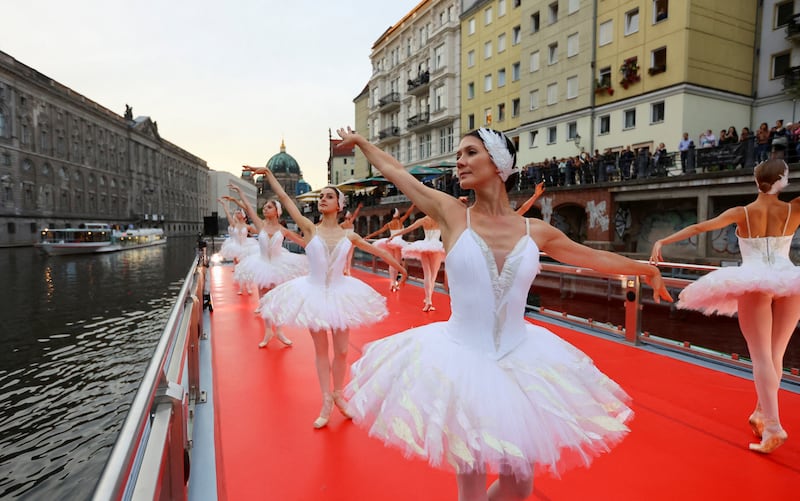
231,249
390,243
267,273
348,302
464,411
718,292
416,249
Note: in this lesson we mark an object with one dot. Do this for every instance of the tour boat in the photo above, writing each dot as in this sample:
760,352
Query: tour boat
94,238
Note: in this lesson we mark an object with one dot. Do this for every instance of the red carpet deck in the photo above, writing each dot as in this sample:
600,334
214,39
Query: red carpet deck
688,441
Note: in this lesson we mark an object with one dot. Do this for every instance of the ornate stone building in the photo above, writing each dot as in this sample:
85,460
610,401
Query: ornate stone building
288,174
65,160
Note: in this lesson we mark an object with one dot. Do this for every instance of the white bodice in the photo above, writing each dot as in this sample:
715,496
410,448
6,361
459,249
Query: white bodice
270,246
326,266
433,234
766,251
239,234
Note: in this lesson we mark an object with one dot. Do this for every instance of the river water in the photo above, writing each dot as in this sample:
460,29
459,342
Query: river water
76,335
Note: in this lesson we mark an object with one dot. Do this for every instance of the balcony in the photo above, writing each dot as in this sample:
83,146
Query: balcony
793,28
791,81
389,133
389,102
420,84
419,121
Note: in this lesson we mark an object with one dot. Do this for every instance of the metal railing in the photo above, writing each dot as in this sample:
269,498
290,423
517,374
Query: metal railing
149,459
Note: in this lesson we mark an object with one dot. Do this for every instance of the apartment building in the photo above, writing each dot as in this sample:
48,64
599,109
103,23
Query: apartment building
777,79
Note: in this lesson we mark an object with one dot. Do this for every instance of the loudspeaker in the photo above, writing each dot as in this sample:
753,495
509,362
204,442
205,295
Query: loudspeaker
210,226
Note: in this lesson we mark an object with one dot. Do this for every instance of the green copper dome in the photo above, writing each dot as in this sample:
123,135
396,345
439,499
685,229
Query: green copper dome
283,163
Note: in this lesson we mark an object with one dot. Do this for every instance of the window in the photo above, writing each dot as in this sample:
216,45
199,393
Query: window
552,53
605,33
501,43
572,87
471,26
658,61
631,21
552,13
573,6
660,10
438,58
487,83
780,64
572,130
629,119
487,116
445,140
515,107
535,61
471,121
487,50
470,59
657,112
532,138
501,77
439,98
516,35
471,90
552,135
534,99
783,13
487,16
534,22
572,45
501,112
515,72
605,124
425,145
517,3
552,93
501,8
2,124
605,77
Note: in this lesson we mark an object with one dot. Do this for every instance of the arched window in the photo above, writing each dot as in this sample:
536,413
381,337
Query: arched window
2,123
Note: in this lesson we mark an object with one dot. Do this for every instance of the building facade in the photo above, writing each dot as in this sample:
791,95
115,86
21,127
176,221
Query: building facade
777,79
219,183
342,163
65,160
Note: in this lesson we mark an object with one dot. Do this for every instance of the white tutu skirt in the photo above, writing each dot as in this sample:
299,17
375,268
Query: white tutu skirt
267,273
416,249
391,243
718,292
462,410
232,250
303,302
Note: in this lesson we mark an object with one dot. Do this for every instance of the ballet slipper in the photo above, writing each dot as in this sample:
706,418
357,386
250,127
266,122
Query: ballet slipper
772,437
341,403
325,413
756,423
267,338
283,339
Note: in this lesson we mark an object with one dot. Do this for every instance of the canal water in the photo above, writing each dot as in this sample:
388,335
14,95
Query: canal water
76,335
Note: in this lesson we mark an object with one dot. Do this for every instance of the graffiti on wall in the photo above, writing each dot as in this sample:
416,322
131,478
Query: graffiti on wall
597,215
547,209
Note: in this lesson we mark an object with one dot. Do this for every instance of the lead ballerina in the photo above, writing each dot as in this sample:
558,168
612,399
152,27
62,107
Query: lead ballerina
487,391
326,299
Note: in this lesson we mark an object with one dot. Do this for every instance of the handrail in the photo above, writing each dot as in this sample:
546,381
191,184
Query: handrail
153,389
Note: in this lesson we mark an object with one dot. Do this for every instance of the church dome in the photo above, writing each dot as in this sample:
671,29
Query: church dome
283,163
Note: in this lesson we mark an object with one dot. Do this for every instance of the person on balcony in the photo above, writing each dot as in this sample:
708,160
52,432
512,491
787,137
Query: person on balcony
764,291
486,391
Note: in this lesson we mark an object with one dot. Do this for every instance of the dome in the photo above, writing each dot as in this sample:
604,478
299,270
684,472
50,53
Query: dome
302,187
283,163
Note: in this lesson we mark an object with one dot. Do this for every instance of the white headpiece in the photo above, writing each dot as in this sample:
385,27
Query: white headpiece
278,207
396,212
495,143
341,198
781,183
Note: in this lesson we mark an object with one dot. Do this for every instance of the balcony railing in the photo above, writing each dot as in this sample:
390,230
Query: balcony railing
419,84
389,132
419,120
390,99
791,81
793,28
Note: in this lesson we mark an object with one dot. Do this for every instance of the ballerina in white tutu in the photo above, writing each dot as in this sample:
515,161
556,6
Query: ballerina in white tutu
348,225
237,246
394,244
326,299
429,252
487,391
764,290
273,264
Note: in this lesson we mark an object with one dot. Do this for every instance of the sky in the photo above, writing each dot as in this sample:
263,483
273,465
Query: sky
225,80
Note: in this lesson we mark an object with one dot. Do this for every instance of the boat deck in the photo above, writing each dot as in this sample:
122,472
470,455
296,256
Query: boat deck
688,440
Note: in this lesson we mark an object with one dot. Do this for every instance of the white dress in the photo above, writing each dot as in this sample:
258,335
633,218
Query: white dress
431,244
326,298
766,267
486,390
237,245
273,264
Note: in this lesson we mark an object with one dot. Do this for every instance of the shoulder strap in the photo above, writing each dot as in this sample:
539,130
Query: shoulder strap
786,224
468,223
527,226
747,218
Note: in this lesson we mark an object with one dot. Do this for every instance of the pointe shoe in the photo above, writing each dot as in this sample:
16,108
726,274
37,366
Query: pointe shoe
773,437
283,339
239,293
325,413
249,291
395,287
341,404
756,424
